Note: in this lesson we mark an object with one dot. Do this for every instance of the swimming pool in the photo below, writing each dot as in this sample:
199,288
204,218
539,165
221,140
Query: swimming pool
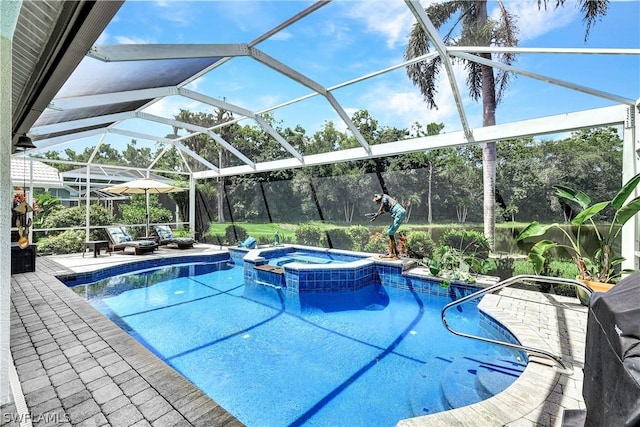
271,357
302,269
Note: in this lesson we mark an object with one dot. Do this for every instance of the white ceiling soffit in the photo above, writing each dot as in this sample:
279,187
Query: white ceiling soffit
72,117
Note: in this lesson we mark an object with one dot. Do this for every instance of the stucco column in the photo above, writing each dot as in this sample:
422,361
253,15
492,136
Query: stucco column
630,167
9,10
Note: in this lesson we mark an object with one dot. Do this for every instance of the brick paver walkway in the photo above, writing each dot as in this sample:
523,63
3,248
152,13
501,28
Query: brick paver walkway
77,368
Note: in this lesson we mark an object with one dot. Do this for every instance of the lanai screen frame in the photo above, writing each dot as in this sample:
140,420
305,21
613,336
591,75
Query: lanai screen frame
129,104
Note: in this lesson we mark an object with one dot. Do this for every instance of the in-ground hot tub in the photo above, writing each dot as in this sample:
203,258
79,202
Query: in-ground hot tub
305,269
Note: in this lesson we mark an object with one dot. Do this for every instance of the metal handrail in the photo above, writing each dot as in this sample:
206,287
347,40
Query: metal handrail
504,284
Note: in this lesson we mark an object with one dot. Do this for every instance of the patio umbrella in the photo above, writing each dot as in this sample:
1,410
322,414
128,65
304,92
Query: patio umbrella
143,186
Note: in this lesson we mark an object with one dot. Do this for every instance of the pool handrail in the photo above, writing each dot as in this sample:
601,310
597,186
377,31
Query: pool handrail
503,284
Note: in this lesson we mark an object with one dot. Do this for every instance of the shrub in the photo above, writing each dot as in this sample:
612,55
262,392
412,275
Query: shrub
135,211
76,216
309,234
68,242
340,238
182,232
46,205
419,245
378,243
216,239
234,234
565,269
467,242
466,249
359,236
502,267
522,267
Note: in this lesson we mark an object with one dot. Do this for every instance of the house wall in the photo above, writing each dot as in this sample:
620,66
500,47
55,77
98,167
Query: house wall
9,10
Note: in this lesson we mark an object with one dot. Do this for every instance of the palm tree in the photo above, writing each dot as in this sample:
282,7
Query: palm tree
476,29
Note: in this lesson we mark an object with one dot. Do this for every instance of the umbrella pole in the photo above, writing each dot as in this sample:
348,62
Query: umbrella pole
146,195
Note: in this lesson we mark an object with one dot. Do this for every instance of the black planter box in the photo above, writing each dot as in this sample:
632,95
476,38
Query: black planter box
23,260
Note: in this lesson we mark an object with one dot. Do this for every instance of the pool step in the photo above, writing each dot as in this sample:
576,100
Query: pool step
495,378
269,275
470,380
270,268
425,396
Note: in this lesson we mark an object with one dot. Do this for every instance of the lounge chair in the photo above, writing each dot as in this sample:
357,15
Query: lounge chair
164,236
120,239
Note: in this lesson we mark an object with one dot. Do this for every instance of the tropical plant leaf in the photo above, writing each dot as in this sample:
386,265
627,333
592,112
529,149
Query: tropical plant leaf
589,213
625,192
617,260
543,246
537,261
534,229
576,196
628,211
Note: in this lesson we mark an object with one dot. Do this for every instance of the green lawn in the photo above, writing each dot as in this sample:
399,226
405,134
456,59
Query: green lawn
266,231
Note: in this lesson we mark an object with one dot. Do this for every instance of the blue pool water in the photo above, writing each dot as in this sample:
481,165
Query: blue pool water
303,258
290,255
365,358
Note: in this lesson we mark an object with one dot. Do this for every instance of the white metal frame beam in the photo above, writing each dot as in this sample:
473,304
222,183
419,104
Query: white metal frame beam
139,52
197,130
87,101
196,96
557,82
607,116
294,75
431,31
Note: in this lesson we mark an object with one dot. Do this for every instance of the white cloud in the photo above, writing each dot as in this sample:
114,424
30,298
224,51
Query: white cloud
282,35
169,107
103,39
133,40
534,22
400,104
195,84
392,18
175,11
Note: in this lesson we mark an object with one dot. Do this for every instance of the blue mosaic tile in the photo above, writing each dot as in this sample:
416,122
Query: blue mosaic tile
75,279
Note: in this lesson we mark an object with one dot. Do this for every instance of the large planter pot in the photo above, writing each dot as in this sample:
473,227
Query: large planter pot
584,297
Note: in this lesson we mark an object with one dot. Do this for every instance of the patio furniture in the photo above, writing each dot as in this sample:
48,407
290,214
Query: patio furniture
23,260
164,236
95,246
120,240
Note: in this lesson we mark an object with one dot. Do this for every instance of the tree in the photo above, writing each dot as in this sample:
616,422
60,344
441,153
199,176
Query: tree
137,156
206,148
518,175
478,30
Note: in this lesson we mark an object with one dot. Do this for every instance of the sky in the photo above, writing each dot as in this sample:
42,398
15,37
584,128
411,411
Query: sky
347,39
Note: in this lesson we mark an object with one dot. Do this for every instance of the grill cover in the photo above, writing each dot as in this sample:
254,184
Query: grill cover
611,387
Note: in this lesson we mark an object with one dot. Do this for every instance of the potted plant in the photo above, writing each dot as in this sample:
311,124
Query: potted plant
599,268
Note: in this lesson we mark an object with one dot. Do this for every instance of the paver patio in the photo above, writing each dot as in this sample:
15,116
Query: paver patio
77,368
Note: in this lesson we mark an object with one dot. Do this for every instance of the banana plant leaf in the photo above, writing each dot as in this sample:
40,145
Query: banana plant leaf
626,212
589,213
625,192
535,229
575,196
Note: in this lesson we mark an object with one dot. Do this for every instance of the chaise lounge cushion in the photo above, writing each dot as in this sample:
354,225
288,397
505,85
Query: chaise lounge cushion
166,237
119,235
120,239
